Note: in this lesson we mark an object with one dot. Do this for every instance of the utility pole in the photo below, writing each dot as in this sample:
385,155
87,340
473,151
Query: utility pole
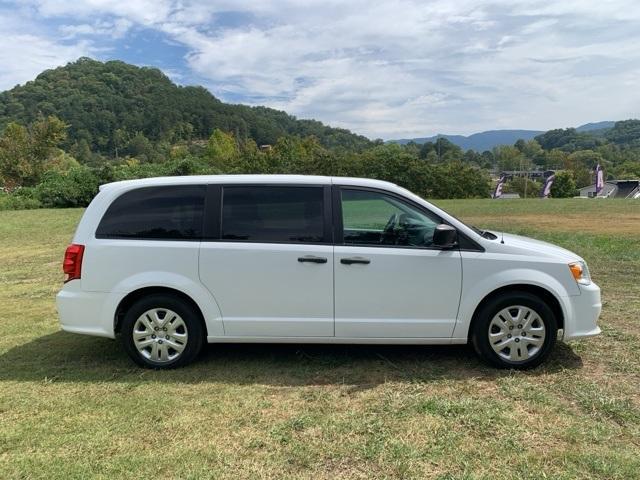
526,178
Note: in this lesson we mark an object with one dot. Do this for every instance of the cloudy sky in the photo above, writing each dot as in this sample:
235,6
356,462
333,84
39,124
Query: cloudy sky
386,69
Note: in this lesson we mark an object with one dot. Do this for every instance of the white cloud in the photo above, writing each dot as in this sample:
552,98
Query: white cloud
394,68
144,12
25,51
115,29
29,55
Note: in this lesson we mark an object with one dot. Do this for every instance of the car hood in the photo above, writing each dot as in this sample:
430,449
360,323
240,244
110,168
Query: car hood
520,245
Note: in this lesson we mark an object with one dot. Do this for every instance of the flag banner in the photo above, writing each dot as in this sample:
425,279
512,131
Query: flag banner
498,191
599,179
546,188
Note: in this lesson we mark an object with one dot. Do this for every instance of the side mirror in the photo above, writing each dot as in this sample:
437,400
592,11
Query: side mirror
445,236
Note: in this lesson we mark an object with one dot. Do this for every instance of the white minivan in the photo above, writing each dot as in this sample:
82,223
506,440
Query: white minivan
168,264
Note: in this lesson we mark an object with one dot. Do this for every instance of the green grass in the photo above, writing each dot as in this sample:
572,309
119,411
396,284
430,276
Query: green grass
75,407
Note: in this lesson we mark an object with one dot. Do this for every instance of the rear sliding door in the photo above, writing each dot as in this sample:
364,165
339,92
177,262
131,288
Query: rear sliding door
270,264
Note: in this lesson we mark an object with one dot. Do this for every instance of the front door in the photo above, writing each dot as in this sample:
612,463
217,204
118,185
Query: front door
390,282
271,269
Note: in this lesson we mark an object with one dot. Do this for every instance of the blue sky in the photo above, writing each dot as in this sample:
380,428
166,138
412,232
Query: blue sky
385,69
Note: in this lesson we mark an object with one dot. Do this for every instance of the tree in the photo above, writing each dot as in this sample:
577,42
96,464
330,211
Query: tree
119,140
581,165
473,157
564,186
489,160
81,151
140,147
457,180
556,159
628,171
626,132
568,140
510,158
525,187
533,151
26,152
222,147
16,165
441,150
47,134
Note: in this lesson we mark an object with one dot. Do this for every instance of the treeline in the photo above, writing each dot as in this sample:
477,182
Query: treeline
35,169
50,177
574,153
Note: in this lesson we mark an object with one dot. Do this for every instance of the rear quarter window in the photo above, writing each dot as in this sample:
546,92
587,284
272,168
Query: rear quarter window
286,214
156,213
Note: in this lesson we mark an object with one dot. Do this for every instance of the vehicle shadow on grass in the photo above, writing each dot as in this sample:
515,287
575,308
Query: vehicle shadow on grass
64,357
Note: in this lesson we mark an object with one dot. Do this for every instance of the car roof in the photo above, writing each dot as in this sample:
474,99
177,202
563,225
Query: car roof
246,179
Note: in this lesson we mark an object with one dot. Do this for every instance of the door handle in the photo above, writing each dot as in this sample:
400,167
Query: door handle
352,260
312,259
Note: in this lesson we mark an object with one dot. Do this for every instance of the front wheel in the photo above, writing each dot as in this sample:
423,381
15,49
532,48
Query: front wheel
514,330
162,331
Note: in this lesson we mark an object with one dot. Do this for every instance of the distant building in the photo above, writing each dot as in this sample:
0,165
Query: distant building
614,189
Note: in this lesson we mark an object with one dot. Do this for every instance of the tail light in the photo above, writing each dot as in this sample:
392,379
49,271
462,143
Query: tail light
72,264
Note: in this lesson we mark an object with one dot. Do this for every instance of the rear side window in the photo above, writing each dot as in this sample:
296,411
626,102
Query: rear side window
273,214
162,213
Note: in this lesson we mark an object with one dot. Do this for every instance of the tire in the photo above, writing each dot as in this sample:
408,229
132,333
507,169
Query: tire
506,336
168,332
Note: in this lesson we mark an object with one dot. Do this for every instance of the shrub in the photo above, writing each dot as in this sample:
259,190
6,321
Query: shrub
132,169
521,184
13,201
74,188
457,180
564,185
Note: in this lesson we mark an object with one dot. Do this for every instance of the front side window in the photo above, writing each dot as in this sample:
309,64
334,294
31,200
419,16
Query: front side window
373,218
156,213
273,214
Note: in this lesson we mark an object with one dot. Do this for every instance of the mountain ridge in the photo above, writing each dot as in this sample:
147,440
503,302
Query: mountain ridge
488,139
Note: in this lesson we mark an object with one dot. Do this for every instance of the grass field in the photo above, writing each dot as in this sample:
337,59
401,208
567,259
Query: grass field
76,407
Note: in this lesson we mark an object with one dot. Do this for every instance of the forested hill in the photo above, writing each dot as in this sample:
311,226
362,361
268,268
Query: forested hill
105,103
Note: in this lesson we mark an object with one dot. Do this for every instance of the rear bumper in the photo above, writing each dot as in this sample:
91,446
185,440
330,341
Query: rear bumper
83,312
586,309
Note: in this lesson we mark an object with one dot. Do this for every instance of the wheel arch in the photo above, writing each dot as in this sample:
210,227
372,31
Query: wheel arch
135,295
548,297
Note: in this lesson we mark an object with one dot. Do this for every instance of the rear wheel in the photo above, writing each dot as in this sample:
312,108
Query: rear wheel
514,330
162,331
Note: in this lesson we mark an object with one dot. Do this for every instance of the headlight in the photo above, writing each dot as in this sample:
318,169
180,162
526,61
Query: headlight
580,272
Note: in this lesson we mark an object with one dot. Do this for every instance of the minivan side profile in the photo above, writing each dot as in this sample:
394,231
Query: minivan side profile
169,264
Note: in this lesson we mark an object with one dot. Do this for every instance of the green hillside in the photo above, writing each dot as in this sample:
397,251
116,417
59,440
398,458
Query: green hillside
107,103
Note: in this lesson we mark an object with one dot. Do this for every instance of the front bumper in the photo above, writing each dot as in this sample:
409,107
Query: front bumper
586,309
